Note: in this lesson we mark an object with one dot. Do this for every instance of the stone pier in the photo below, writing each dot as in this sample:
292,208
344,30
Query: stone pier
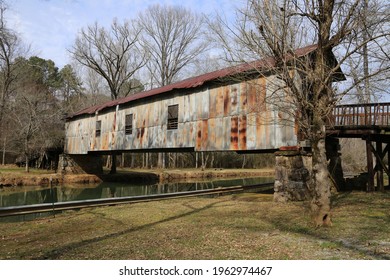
293,167
292,176
80,164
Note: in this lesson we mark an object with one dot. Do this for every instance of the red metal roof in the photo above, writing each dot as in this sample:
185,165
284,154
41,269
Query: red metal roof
192,82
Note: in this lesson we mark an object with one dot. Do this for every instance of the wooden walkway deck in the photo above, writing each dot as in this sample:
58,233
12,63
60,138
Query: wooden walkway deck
370,122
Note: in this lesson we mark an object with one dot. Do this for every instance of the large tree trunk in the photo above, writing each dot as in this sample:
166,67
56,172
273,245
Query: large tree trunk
27,164
26,154
320,183
4,150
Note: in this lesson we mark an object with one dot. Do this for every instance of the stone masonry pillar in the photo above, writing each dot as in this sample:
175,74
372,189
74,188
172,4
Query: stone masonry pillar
292,175
80,164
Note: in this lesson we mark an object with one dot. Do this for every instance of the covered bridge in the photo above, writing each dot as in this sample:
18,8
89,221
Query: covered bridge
225,110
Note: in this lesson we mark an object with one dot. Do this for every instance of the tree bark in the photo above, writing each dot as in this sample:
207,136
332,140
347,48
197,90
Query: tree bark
26,154
320,183
27,165
4,150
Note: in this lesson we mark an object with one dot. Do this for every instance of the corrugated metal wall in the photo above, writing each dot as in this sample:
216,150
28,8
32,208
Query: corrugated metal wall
219,118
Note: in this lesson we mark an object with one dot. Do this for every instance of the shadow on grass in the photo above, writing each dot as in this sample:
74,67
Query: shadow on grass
57,252
371,219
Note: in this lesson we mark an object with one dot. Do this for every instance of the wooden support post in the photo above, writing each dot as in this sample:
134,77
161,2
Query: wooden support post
379,177
370,168
380,165
113,163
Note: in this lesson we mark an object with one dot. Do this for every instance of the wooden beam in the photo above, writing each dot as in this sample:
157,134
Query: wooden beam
370,163
381,166
380,159
385,150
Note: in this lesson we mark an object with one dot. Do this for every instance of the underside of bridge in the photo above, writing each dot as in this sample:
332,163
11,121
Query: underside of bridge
377,139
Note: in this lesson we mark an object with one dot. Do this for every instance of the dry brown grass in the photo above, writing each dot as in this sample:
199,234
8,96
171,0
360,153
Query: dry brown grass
244,226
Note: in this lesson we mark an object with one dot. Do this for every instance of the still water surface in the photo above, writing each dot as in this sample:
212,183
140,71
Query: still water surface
36,195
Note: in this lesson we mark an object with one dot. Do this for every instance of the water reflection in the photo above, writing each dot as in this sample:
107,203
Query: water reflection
35,195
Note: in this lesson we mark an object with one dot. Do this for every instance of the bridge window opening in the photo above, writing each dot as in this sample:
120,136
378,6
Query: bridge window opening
129,124
98,131
173,116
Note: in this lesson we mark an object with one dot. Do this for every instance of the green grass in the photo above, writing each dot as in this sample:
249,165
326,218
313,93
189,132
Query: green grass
240,226
20,171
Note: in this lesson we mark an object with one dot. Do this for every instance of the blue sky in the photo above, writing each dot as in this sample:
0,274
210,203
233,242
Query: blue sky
51,26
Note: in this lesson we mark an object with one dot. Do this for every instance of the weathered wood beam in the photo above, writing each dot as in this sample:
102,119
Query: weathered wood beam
381,166
380,159
370,163
379,155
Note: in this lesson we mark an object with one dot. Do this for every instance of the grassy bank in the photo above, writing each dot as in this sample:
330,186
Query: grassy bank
12,176
244,226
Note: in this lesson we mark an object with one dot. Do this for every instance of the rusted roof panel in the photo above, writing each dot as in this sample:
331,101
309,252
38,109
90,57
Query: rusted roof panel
192,82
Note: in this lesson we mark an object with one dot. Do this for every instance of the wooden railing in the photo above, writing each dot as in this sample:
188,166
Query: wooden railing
375,114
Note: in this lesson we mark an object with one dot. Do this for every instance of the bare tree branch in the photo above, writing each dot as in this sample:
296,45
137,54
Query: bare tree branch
112,53
172,36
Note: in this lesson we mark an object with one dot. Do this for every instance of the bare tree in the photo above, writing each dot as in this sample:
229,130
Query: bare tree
95,88
366,65
112,53
172,36
10,49
275,29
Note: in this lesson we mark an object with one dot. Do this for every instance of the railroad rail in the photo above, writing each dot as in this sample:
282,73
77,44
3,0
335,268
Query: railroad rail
73,205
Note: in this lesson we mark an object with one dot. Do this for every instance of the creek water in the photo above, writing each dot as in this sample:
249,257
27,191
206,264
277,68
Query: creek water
18,196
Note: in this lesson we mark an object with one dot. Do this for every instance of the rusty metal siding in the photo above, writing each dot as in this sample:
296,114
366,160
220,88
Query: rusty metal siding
213,103
220,118
234,134
251,132
186,109
242,132
243,98
234,98
205,135
212,135
220,102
